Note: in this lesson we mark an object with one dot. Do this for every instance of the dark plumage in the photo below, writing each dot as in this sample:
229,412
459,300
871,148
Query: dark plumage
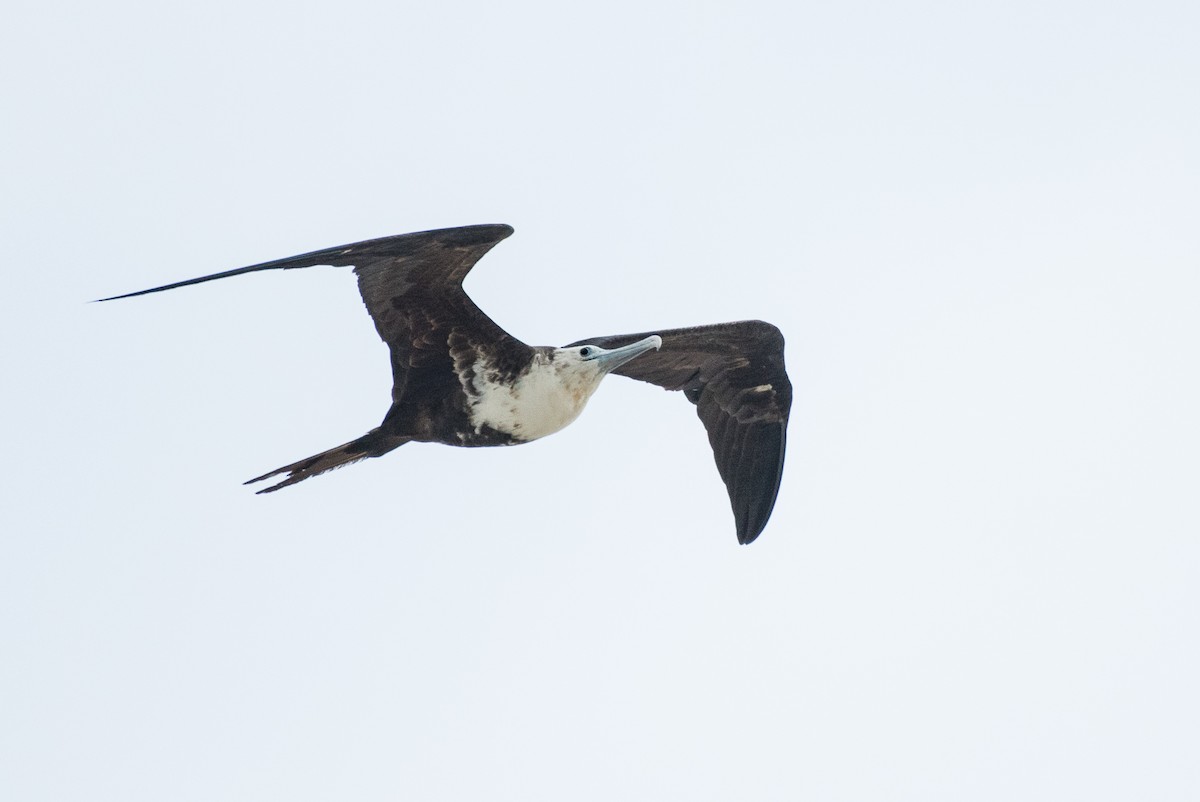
459,379
734,374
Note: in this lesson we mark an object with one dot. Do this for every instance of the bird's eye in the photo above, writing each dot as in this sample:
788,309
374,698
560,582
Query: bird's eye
585,352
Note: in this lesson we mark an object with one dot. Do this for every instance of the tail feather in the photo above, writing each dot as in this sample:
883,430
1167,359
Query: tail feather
372,444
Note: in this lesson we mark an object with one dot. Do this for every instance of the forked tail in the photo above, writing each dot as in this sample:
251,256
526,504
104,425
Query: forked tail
372,444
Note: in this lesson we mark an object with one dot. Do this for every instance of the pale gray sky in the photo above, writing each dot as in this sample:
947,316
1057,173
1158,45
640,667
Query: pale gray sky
976,225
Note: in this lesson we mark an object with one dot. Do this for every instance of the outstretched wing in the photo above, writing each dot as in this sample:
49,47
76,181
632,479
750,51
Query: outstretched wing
734,374
412,287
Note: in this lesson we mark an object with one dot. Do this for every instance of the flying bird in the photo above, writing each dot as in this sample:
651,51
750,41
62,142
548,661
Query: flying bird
460,379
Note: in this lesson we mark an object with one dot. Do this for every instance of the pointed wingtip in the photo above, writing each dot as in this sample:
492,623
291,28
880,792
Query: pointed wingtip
270,489
746,537
117,297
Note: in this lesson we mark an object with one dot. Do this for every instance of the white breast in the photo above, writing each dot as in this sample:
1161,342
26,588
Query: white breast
542,401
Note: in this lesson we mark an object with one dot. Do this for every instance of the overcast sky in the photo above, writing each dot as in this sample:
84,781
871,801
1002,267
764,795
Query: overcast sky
976,225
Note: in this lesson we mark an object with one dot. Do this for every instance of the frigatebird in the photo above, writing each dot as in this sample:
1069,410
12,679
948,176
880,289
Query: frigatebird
460,379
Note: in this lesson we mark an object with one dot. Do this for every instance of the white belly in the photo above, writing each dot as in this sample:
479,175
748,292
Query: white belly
538,404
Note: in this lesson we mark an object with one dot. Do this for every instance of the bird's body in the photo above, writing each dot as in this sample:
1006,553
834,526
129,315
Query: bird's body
461,380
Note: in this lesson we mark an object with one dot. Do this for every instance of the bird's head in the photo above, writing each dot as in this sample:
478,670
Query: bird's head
586,364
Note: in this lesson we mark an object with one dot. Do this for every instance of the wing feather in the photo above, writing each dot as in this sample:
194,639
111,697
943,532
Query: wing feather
412,287
734,373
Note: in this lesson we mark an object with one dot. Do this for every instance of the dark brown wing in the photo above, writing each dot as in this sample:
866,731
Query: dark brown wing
415,296
734,374
412,287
